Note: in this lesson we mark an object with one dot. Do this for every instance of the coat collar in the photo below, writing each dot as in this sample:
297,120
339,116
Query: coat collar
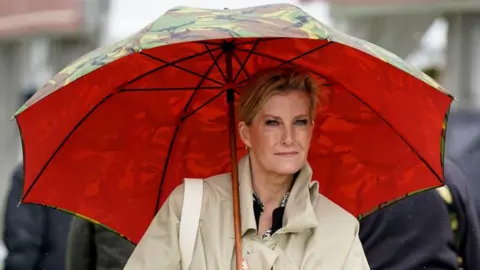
299,213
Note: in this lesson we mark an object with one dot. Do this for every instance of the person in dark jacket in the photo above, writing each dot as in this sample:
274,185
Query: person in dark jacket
434,229
93,247
35,236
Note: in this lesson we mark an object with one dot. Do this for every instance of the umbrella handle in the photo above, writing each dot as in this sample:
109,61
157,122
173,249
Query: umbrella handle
233,156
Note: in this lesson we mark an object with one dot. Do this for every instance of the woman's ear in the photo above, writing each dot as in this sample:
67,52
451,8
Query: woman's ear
244,133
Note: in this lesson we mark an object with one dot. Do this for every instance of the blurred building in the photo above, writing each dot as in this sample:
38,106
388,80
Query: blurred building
37,39
400,26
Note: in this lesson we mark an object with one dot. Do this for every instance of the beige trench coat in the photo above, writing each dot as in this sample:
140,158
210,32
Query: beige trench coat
317,233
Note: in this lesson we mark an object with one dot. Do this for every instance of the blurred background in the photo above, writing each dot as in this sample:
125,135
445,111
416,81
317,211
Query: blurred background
39,38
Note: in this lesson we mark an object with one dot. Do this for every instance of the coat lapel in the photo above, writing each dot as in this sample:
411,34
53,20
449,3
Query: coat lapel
299,213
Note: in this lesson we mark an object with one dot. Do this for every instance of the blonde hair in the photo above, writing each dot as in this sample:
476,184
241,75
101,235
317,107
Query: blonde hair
268,82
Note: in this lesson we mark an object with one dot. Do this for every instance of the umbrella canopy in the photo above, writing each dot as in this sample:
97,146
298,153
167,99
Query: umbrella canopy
111,135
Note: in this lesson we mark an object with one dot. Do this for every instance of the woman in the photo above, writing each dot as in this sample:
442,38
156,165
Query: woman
286,223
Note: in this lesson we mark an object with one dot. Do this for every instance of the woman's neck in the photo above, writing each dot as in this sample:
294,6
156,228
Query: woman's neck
270,188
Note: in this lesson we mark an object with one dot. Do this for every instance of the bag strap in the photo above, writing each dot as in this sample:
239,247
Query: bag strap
190,218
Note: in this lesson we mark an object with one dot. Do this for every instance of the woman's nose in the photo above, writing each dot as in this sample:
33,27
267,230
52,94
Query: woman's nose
287,138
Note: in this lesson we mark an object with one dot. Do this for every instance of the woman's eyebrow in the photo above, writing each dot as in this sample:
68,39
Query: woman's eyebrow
272,116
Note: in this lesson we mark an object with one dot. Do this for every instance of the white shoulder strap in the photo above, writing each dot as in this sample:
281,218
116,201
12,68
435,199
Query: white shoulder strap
192,206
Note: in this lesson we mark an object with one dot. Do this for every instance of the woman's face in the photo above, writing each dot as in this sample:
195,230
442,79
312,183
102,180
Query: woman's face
279,135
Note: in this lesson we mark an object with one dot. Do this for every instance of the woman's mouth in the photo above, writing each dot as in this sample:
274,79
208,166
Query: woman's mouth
286,154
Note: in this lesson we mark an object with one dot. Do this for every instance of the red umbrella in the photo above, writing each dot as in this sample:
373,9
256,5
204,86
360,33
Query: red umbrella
115,132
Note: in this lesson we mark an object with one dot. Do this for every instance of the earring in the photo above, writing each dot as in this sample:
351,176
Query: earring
246,147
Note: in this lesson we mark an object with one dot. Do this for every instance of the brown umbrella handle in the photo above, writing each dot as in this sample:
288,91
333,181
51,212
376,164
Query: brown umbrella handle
233,156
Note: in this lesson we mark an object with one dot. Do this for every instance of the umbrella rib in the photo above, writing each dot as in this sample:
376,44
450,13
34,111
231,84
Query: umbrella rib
168,64
170,89
175,134
215,61
242,65
396,132
306,53
201,106
65,140
237,59
283,61
181,68
202,79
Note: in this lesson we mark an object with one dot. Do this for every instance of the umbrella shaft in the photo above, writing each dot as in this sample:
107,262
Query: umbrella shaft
233,157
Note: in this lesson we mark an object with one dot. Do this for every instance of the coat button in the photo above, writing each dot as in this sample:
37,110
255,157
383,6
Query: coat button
248,252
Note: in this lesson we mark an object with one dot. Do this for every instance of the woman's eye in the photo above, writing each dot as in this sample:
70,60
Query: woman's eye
271,122
301,122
